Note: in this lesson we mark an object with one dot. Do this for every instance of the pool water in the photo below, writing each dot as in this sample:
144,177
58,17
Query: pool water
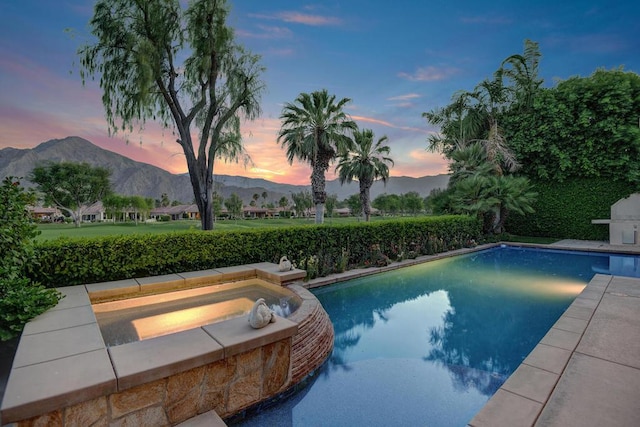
429,345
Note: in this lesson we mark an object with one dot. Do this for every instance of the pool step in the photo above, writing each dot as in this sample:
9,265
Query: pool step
208,419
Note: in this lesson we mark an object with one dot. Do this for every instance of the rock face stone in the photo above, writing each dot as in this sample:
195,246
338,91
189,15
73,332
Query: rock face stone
89,413
276,360
136,398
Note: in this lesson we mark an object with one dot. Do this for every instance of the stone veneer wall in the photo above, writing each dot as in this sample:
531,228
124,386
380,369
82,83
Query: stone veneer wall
226,386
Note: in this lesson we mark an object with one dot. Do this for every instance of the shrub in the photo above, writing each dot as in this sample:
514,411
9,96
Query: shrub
20,299
320,250
565,210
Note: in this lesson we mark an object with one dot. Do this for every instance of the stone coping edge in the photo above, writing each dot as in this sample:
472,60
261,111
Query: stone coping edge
127,288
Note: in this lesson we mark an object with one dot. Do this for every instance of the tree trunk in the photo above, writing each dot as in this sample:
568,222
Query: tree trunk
318,186
201,182
364,199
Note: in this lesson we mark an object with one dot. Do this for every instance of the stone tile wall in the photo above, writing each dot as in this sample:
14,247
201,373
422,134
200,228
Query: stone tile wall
226,386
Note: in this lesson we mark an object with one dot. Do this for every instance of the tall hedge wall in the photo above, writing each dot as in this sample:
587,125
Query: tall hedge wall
320,250
565,209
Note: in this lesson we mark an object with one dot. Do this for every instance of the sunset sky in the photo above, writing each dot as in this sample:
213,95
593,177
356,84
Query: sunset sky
394,59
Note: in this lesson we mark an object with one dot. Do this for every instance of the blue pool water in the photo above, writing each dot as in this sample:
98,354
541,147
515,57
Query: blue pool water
428,345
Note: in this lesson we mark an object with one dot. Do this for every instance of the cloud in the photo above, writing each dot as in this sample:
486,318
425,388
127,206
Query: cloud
404,97
301,18
387,124
267,32
429,74
419,162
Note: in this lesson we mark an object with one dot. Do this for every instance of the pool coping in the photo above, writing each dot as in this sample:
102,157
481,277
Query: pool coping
62,358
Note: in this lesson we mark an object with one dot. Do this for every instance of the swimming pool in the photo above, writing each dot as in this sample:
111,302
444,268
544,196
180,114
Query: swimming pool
430,344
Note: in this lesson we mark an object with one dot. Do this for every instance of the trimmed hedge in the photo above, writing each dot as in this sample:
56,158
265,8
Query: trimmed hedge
565,210
320,250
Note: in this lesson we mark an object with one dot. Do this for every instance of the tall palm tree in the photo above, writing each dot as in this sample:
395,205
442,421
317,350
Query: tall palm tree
314,130
366,162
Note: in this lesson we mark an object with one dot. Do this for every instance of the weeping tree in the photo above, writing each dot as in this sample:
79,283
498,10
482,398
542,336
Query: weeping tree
158,60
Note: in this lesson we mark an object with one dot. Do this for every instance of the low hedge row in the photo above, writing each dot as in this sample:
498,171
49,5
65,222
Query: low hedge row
320,250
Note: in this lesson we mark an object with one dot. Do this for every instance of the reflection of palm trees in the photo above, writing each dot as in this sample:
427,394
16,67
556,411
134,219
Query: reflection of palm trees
483,344
479,341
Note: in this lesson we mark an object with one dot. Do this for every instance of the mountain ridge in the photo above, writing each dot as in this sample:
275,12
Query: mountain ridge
130,177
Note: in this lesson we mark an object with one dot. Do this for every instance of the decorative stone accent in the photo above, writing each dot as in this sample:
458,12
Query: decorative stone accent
181,385
243,391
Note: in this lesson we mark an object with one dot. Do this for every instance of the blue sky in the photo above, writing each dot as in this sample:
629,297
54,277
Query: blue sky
394,59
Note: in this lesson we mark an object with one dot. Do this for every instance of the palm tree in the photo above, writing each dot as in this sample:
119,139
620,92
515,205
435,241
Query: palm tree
522,70
493,198
367,162
314,130
469,161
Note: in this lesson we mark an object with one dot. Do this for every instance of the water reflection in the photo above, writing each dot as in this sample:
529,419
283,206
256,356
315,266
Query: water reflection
435,341
618,265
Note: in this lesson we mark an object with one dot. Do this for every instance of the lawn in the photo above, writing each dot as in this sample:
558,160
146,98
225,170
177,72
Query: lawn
55,231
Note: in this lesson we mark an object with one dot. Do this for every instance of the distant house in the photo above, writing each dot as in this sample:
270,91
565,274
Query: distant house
45,214
342,212
94,213
176,212
255,212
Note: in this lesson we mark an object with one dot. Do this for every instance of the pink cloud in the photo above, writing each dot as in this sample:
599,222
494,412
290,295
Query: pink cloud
267,32
387,124
302,18
429,74
404,97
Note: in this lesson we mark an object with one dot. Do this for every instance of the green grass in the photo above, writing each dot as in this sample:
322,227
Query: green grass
56,231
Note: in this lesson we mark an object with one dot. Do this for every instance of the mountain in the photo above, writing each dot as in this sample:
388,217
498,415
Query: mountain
129,177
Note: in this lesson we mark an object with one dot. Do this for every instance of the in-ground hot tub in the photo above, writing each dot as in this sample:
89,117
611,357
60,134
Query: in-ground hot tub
64,374
151,316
